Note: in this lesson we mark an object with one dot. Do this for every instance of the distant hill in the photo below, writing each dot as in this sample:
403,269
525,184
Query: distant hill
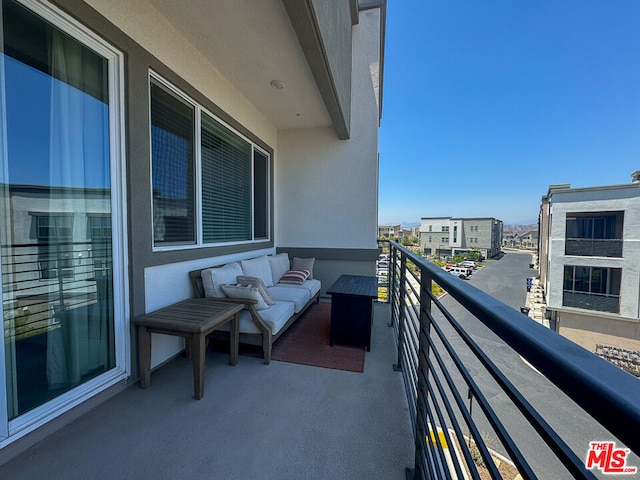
520,228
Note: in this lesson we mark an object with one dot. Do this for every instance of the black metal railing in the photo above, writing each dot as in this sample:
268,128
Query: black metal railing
470,364
593,247
40,280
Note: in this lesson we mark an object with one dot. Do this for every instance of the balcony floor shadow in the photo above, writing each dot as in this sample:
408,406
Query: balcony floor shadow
281,421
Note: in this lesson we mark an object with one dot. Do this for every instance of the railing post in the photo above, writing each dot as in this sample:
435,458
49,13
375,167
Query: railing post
59,275
392,280
422,401
402,301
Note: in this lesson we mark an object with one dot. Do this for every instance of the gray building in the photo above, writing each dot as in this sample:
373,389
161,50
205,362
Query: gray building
451,235
589,263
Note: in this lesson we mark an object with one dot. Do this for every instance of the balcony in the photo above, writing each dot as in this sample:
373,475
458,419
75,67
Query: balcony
593,247
282,421
477,389
598,302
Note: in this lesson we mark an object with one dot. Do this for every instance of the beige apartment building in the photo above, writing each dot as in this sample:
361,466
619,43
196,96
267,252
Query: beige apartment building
448,236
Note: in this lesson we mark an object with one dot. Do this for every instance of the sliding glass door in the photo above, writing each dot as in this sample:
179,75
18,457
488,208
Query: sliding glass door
60,210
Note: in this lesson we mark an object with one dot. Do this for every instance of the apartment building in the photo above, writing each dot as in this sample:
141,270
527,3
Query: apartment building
449,235
394,232
590,262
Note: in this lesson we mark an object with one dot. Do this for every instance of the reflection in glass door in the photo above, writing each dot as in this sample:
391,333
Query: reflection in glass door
56,250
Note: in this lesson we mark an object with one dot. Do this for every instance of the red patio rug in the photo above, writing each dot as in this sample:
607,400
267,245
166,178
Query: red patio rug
307,342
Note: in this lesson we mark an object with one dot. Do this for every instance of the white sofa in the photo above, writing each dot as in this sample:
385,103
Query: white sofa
267,315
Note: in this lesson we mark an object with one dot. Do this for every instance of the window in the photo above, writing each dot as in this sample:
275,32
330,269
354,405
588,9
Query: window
57,228
99,227
229,170
172,153
430,227
430,239
455,234
62,126
592,288
594,234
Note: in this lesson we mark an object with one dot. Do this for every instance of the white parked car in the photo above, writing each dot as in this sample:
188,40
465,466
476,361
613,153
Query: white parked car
461,272
469,263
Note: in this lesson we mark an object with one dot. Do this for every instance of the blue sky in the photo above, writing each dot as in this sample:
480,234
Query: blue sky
487,103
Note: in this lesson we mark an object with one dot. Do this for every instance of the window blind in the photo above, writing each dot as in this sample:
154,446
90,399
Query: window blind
226,184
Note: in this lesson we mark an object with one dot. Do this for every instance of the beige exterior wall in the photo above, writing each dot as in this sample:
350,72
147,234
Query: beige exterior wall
326,188
589,331
144,24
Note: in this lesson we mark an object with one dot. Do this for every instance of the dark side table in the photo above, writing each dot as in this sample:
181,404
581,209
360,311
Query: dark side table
352,299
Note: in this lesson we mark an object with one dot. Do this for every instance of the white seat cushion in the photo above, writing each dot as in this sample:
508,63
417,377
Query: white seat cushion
214,278
279,266
313,286
258,267
298,296
275,316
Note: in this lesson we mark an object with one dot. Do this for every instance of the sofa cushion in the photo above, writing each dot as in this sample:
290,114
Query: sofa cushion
214,278
275,316
279,266
245,291
298,296
259,284
258,267
313,286
303,264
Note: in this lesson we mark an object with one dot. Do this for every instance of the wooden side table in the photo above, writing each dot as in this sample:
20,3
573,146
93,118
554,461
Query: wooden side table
352,299
192,319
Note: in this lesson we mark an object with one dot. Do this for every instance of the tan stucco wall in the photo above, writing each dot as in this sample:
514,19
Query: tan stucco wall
587,331
144,24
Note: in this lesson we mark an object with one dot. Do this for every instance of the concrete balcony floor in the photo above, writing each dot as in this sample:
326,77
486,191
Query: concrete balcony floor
278,421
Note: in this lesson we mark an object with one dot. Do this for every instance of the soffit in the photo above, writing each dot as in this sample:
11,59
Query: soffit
252,43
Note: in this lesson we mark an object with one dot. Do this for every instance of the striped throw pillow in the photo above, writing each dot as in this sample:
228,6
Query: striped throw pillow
295,276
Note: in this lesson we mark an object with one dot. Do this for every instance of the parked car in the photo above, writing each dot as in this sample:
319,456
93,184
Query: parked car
469,263
461,272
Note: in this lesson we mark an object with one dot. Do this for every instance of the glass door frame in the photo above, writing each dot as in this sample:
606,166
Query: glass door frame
10,430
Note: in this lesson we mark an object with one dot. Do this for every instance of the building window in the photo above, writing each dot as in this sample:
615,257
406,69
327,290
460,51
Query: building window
594,234
430,239
445,229
455,234
54,228
232,174
592,288
430,227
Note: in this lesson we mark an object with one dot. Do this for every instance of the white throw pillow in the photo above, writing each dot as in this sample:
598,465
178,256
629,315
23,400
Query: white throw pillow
259,284
279,266
258,267
245,291
214,278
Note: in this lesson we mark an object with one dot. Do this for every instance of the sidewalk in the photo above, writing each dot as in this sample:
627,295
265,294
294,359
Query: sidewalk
535,298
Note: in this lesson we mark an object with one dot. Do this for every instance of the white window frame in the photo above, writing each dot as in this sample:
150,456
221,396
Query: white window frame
199,110
26,423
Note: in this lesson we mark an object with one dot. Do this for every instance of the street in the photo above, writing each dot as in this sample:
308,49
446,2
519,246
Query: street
505,279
